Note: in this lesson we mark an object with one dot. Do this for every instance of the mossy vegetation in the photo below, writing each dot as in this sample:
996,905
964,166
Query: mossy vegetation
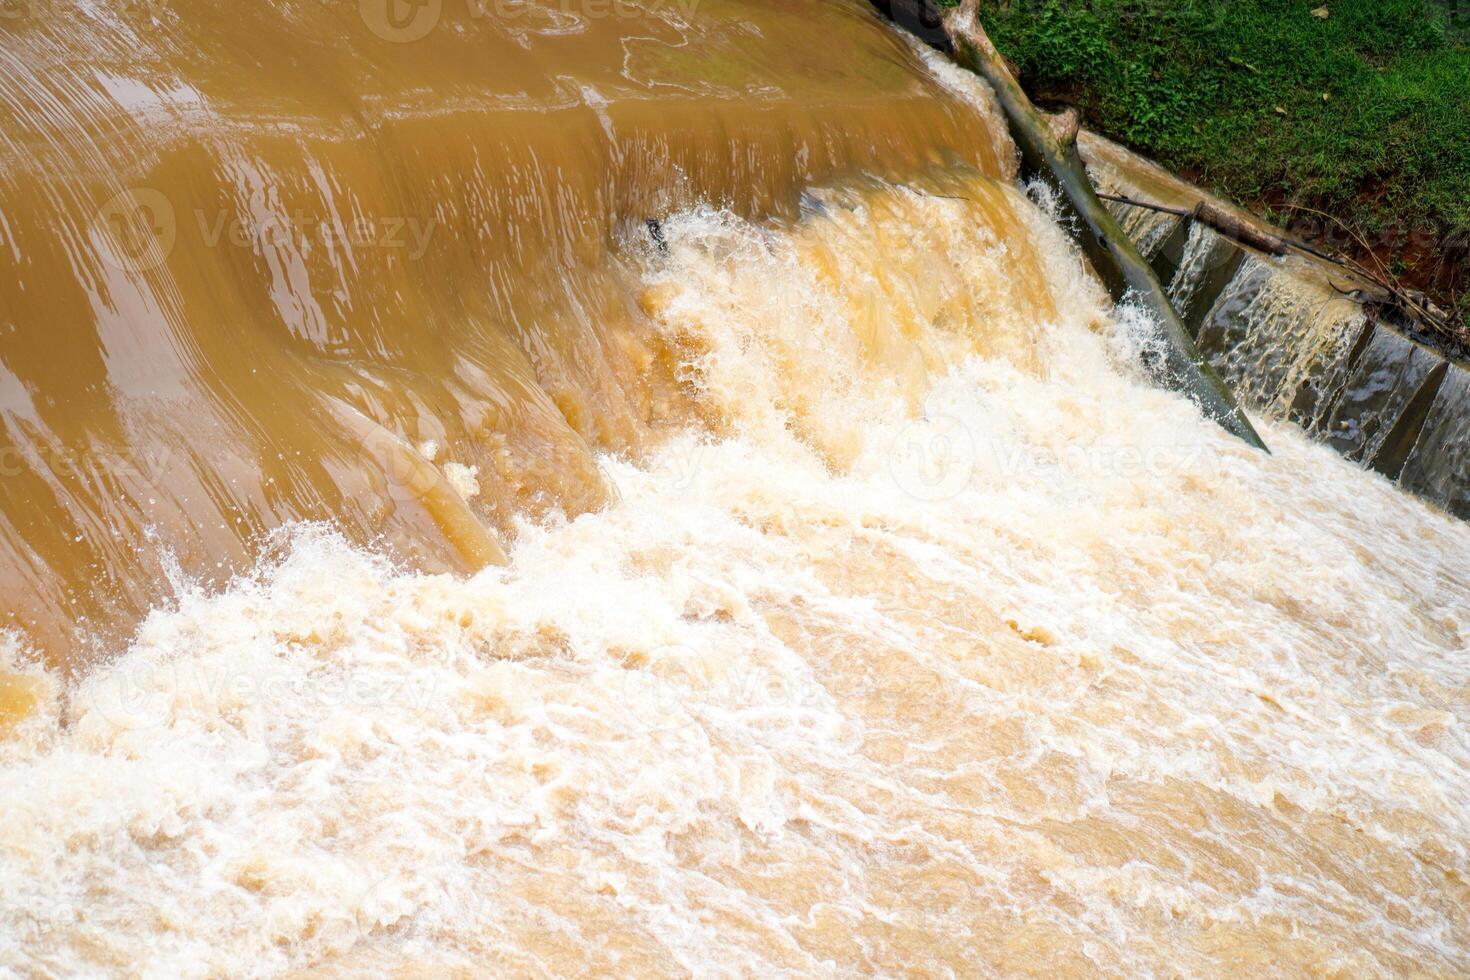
1359,108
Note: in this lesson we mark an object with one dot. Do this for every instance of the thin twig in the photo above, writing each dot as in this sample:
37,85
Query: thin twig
1347,228
1120,199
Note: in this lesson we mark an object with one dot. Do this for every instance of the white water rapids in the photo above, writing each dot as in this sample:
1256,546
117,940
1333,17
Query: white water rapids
945,646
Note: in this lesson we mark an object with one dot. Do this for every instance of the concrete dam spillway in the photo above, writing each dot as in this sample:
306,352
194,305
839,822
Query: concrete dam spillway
415,561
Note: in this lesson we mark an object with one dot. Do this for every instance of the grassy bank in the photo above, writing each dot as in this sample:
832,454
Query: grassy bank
1363,113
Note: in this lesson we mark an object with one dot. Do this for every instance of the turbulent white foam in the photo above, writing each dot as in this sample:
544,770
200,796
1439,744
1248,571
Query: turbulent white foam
953,648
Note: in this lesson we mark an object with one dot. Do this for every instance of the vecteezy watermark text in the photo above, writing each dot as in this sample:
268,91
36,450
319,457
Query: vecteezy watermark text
134,694
139,228
81,463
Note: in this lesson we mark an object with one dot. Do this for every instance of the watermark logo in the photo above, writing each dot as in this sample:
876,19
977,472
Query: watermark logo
678,464
139,227
401,21
933,459
412,471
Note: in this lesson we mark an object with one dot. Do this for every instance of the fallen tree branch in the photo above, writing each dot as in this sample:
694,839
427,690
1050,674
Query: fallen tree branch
1229,225
1048,145
1237,228
1391,295
919,17
1217,218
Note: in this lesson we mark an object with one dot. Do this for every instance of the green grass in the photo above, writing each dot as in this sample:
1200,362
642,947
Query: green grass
1231,92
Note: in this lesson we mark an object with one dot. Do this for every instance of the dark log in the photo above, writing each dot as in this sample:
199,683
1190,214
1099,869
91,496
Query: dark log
1232,226
1048,145
1221,220
919,17
1244,233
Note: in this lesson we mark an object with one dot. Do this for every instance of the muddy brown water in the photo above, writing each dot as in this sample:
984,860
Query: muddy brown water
414,565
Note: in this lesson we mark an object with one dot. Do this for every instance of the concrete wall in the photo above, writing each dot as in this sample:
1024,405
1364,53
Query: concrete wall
1292,336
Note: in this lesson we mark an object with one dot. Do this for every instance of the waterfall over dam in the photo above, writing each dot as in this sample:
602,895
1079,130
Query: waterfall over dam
543,488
